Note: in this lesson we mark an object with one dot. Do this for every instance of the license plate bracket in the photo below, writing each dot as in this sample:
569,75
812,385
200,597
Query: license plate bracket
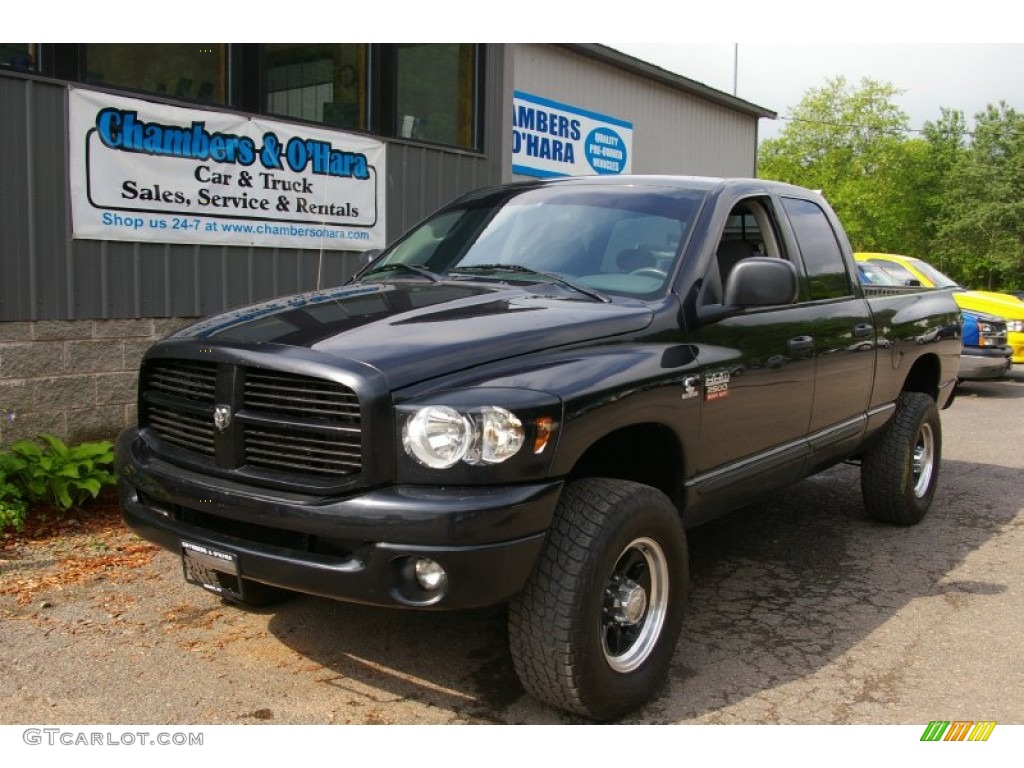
212,569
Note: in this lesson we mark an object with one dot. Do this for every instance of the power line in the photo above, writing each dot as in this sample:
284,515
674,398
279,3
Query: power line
894,131
859,126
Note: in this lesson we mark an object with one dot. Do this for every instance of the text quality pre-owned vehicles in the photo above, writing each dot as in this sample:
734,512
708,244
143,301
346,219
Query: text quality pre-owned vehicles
528,399
916,271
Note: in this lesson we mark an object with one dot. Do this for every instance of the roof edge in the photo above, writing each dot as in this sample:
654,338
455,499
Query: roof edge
624,61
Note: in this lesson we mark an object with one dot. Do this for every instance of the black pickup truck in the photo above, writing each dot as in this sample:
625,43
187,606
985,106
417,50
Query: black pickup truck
528,399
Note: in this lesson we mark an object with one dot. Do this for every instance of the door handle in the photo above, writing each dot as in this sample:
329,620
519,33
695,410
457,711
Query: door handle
863,330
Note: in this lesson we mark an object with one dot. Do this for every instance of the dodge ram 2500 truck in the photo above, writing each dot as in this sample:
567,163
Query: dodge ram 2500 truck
528,399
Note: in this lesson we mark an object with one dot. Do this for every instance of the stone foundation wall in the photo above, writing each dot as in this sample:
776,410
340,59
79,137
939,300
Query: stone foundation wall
75,379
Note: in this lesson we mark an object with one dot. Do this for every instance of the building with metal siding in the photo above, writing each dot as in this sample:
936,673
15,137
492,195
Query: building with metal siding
76,315
49,275
680,126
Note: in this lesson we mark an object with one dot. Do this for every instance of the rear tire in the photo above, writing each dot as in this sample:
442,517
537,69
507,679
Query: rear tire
900,473
595,628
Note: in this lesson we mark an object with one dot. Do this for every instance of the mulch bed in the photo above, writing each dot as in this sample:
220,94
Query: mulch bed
56,550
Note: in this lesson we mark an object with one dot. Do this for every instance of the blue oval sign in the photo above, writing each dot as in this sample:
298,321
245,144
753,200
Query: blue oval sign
606,151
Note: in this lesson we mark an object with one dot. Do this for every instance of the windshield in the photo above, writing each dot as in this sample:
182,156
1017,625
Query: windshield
934,276
872,274
614,239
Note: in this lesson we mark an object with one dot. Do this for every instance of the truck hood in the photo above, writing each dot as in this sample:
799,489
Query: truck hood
412,332
999,304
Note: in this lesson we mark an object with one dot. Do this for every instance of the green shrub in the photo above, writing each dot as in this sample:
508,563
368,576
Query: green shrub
12,505
61,475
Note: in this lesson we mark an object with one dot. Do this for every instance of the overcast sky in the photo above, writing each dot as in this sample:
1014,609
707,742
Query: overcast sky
964,76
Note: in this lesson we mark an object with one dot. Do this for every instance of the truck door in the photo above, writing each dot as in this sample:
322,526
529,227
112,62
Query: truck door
844,331
757,370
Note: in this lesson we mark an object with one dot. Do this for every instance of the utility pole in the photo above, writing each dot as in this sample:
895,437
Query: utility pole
735,67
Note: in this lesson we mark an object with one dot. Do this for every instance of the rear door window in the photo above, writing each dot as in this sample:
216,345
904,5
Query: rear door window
827,276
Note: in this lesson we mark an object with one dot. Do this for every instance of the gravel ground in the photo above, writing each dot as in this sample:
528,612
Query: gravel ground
802,611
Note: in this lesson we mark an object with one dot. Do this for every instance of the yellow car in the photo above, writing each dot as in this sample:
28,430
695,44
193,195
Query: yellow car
911,271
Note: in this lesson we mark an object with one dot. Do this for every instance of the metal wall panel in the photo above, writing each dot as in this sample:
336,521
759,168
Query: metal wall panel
17,184
46,275
673,132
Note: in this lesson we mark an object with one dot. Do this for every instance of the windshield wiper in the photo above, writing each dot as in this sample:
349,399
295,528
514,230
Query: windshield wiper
396,265
552,276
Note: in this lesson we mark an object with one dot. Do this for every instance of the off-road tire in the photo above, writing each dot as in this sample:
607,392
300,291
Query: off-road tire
900,473
594,631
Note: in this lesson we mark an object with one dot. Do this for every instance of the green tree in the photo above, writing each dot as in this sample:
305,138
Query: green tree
980,230
947,141
851,142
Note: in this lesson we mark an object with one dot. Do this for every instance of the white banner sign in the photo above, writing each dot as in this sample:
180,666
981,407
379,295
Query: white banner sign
157,173
553,139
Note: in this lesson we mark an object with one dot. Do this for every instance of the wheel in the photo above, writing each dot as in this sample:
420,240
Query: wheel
594,630
899,474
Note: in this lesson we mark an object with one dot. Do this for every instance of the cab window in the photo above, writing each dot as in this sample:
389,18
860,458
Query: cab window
824,265
749,231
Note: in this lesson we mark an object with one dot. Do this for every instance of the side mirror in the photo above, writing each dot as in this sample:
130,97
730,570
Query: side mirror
758,281
761,281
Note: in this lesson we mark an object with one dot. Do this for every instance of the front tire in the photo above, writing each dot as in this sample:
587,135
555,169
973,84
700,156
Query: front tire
900,473
595,628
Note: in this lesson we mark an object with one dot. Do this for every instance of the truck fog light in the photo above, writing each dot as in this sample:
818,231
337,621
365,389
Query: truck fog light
429,574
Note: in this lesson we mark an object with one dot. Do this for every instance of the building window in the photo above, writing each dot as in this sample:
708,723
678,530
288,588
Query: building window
435,93
192,71
23,56
321,83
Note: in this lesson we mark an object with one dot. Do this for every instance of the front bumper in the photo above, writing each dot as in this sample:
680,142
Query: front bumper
357,548
978,363
1016,341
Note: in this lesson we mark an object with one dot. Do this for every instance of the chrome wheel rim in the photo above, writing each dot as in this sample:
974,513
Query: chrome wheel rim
924,460
635,603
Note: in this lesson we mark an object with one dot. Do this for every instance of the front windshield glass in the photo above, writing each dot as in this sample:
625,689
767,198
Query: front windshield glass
612,239
933,275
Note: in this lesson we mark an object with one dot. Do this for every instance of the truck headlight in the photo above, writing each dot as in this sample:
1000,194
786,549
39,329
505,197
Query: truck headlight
439,437
1015,325
499,436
